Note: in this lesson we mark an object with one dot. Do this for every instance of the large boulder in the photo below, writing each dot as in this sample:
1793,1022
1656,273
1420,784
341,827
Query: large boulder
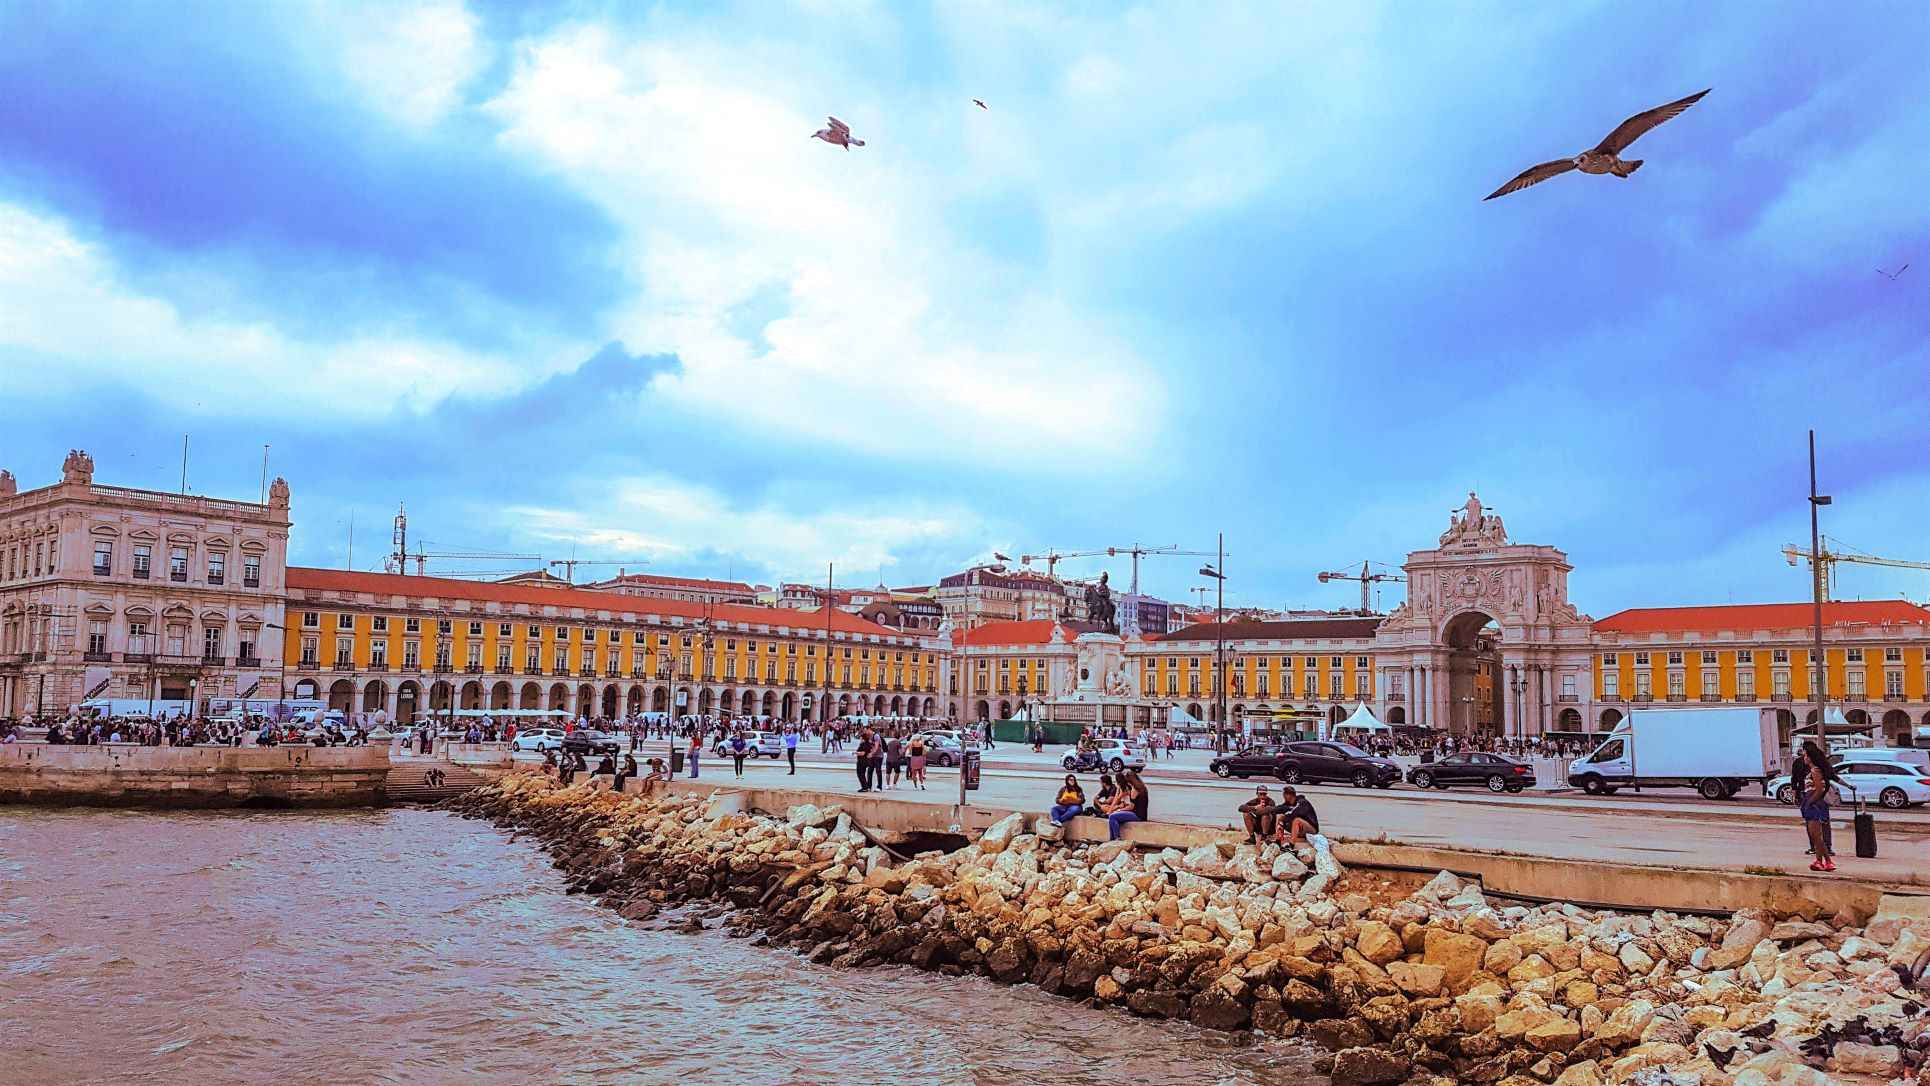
1457,953
1000,834
1369,1067
1378,943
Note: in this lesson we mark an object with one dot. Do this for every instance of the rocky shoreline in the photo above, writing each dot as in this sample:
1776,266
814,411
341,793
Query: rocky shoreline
1441,986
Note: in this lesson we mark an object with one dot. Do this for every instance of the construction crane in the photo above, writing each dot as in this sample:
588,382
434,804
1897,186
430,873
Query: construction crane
569,565
1792,553
1052,558
398,560
1367,580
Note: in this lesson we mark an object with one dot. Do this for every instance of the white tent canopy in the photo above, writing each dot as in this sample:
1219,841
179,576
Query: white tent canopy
1363,718
1177,717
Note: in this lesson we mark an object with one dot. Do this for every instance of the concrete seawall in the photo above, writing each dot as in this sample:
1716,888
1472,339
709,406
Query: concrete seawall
124,775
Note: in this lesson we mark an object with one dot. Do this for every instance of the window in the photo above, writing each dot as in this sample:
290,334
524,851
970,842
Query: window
1568,687
588,634
311,619
1643,686
344,651
475,655
1675,684
1856,684
251,571
534,632
1781,683
1892,656
211,644
96,637
502,657
412,655
1333,661
379,655
1360,661
639,638
177,640
1779,656
379,624
443,626
1893,685
1675,657
143,560
344,622
309,651
411,625
1711,682
1855,656
475,629
217,567
442,656
245,648
1641,659
1708,656
1260,684
177,563
589,659
103,559
1745,686
1745,656
1333,686
1608,659
730,645
1611,684
532,658
562,659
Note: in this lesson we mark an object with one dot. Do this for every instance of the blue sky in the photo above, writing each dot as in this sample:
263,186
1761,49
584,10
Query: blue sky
574,277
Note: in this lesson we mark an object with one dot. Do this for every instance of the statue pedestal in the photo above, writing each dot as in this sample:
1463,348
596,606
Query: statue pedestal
1105,689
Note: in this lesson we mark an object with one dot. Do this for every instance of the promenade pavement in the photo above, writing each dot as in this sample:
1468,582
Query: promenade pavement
1617,829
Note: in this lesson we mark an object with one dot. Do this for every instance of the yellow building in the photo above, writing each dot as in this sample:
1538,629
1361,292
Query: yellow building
408,646
1877,664
1320,667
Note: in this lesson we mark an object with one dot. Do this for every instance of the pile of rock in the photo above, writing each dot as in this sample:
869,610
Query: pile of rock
1444,986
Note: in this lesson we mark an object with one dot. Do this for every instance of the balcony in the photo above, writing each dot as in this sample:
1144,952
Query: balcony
1783,696
473,669
1712,697
178,576
217,578
533,669
378,665
1642,699
443,668
1678,697
247,661
308,663
586,672
98,657
212,660
140,573
1394,698
102,571
1568,699
343,665
251,582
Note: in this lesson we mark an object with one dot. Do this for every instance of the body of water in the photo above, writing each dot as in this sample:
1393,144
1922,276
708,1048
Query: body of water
410,946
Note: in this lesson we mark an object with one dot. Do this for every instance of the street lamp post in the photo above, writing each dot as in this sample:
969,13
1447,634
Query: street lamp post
1219,645
1819,677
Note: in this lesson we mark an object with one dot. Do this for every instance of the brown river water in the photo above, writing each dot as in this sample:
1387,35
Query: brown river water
411,946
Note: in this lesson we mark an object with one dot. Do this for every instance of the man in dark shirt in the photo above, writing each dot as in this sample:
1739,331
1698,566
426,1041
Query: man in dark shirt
1295,817
1258,815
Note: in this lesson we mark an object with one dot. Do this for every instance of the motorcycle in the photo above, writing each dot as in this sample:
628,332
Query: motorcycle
1085,761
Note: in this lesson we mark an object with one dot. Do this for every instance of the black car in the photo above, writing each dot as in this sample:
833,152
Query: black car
585,741
1327,760
1251,762
1473,767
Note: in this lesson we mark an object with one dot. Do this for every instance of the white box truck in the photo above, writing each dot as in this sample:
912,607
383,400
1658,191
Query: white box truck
1715,751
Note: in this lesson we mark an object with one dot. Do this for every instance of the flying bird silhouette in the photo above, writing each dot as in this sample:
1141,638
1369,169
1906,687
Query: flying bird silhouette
839,133
1891,276
980,104
1605,156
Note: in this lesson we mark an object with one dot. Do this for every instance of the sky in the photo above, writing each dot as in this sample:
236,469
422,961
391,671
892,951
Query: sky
573,279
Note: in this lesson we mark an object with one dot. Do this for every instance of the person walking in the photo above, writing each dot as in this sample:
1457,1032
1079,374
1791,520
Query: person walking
1819,784
894,761
915,751
863,754
696,749
790,749
877,760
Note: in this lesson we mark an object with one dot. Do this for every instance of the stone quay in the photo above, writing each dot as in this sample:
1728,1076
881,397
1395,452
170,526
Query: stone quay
126,775
1435,984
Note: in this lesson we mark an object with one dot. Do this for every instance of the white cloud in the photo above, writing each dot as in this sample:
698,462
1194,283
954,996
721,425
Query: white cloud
673,522
68,316
899,335
413,61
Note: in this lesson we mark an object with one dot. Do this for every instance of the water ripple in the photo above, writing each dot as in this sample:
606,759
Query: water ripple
408,946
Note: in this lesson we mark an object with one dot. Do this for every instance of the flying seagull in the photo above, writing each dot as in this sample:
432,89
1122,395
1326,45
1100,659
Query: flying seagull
980,104
839,133
1603,158
1892,275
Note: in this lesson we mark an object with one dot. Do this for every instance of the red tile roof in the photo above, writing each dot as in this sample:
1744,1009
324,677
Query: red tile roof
1032,631
1762,616
449,588
662,581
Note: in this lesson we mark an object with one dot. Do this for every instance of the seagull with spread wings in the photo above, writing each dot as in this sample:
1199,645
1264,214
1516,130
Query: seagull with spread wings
1606,155
1891,276
980,104
839,133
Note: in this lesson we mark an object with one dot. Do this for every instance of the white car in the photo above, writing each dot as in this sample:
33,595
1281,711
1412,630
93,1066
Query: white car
1893,784
537,740
1113,754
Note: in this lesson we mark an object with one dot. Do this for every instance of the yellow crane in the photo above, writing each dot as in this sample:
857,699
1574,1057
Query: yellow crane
1367,581
1792,553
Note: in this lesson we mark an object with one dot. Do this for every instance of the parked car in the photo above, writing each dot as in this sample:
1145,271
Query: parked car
591,741
943,748
1331,761
538,740
1251,762
1893,784
1473,767
1113,754
756,745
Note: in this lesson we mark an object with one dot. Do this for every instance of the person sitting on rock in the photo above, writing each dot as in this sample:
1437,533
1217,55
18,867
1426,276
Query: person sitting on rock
1296,820
1071,801
1101,804
1258,814
1132,804
655,779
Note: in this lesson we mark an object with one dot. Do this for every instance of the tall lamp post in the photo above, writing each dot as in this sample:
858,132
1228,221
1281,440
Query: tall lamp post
1819,676
1219,645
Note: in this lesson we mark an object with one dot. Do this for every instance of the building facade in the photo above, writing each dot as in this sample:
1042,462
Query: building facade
1306,668
650,586
409,646
112,592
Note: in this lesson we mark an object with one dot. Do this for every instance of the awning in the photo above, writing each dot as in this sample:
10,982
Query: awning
1363,718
